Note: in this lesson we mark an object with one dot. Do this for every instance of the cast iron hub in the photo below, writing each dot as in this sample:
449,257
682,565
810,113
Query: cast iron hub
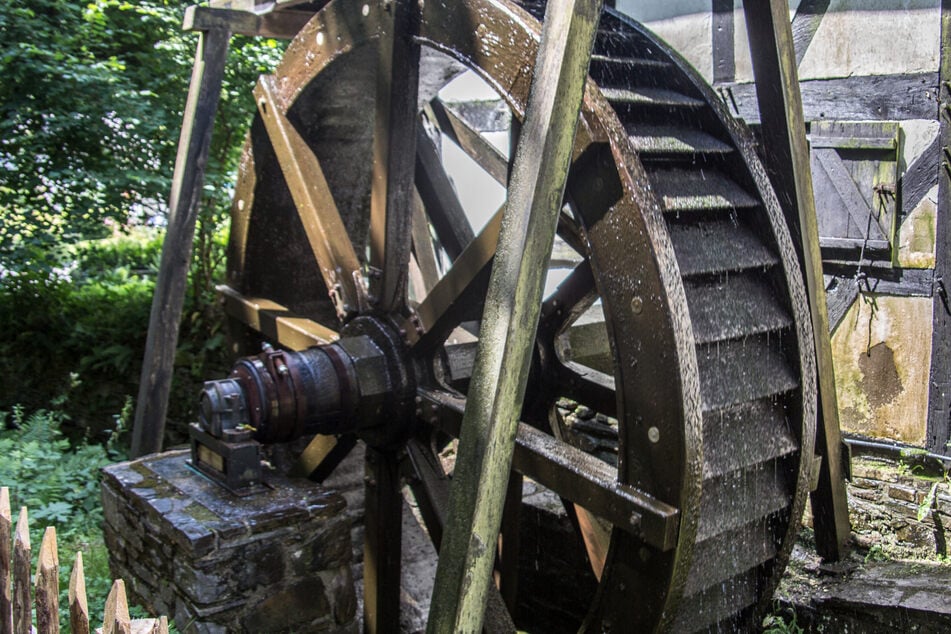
359,384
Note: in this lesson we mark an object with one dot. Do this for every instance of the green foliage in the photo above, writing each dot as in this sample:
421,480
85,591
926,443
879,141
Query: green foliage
73,329
91,101
58,482
73,323
782,621
876,553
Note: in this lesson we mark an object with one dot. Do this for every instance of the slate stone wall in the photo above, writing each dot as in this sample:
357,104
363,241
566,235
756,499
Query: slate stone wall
885,497
884,503
278,561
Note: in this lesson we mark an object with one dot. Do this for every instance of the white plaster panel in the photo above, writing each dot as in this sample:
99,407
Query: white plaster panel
874,37
918,135
663,10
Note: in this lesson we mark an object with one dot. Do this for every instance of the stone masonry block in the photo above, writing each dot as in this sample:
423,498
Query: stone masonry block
277,561
904,493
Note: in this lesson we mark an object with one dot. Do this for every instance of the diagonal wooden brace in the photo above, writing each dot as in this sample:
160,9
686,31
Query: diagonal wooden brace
510,317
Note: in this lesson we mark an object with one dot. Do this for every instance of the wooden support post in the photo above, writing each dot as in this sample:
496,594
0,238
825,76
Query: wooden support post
47,584
6,544
510,318
509,542
939,406
193,145
383,520
784,136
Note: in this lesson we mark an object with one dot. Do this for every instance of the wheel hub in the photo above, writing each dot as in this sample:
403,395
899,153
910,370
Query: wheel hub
359,384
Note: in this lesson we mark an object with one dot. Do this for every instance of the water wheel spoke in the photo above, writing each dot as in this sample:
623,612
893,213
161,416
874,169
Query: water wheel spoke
569,230
439,197
275,321
588,387
394,139
322,455
382,547
570,473
315,204
570,300
430,486
469,140
458,295
424,268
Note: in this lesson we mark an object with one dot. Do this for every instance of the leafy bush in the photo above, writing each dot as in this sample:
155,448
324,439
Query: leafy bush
73,323
59,483
91,100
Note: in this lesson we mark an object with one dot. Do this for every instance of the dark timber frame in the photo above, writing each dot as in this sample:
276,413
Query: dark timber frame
939,410
784,132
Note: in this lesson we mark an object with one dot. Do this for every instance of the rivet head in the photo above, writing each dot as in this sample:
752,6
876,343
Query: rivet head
653,434
637,304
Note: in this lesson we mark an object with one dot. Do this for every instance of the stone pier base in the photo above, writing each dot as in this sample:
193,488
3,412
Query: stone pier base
277,561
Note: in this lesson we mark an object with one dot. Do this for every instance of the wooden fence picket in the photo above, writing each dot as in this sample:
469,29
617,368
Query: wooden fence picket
15,597
6,545
22,606
116,619
78,606
46,599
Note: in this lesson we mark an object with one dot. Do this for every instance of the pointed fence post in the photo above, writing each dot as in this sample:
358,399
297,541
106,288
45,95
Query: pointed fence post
116,618
22,606
6,545
47,585
78,605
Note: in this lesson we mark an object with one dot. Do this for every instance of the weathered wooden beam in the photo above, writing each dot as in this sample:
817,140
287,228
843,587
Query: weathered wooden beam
724,48
274,321
920,177
857,98
430,486
468,137
840,295
939,400
326,233
161,344
439,197
784,134
510,319
394,145
883,279
281,25
805,23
